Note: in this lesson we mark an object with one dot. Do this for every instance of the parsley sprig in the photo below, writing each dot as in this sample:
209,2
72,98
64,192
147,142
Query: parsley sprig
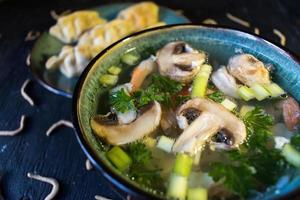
160,89
257,163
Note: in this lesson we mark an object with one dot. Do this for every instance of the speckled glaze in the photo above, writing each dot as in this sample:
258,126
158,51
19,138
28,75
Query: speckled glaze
220,43
47,45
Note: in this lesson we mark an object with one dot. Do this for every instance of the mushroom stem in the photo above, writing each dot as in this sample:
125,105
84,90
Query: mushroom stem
212,119
200,130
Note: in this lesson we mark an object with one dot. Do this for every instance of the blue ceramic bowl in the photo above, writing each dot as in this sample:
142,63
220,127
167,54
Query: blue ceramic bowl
220,43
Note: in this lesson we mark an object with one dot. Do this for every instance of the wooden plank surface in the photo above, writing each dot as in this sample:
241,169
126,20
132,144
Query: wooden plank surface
59,155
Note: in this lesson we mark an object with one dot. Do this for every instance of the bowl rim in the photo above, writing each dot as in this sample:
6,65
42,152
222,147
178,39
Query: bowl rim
108,173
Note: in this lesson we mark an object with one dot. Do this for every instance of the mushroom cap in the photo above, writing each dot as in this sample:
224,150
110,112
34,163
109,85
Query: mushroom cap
213,118
120,134
179,61
248,69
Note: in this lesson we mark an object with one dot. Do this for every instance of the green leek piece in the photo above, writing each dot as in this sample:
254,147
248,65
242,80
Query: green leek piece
291,155
119,158
183,164
229,105
177,187
114,70
245,109
275,90
108,80
164,143
130,59
197,194
259,91
246,93
201,81
149,142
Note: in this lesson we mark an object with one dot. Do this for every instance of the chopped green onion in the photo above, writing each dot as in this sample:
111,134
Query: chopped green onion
114,70
119,158
259,91
197,194
183,164
130,59
291,155
164,143
275,90
177,187
229,105
245,109
108,80
149,142
201,81
246,93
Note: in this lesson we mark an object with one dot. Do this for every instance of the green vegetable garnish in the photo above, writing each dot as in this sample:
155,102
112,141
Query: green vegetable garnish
160,89
122,101
140,170
119,158
295,141
256,163
114,70
139,152
108,80
217,96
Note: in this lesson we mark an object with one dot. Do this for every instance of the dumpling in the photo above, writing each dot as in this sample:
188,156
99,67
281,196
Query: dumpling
103,35
141,15
68,28
71,61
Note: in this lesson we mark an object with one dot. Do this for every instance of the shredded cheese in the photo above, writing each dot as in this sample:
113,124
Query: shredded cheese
238,20
32,35
57,124
209,21
88,165
28,59
14,132
25,95
281,36
52,181
98,197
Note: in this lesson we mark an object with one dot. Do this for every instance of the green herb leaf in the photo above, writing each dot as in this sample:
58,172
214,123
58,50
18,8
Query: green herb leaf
121,101
140,170
160,89
217,96
295,141
140,154
236,178
265,163
258,124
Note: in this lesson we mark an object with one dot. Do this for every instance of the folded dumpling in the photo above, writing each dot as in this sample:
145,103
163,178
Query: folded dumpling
68,28
141,15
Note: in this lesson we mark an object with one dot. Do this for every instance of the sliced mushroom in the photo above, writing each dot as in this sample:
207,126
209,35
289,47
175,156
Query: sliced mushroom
118,134
225,82
179,61
213,118
248,69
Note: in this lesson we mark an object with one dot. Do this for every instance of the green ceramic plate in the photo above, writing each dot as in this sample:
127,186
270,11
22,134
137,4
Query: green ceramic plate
46,46
220,43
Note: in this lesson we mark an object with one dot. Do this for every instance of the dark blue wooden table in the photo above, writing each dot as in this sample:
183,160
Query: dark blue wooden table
59,155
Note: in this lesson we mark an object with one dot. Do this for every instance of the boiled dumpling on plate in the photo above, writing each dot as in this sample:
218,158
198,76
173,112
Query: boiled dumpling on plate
141,15
69,28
